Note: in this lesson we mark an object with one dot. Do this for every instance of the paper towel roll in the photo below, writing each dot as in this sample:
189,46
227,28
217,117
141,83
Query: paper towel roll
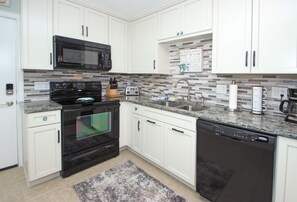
233,96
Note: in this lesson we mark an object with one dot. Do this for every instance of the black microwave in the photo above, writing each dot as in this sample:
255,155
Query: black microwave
81,55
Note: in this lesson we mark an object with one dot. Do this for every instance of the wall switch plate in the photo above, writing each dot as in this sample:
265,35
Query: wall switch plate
41,85
221,89
277,91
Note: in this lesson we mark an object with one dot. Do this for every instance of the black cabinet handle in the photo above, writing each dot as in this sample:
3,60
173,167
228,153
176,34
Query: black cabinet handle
151,121
179,131
82,30
246,58
254,58
51,58
87,31
138,126
154,64
58,136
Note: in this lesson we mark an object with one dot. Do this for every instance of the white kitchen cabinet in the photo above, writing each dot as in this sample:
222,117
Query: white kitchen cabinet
153,140
180,153
42,145
144,44
125,128
118,40
285,170
167,139
37,34
75,21
255,36
187,19
136,132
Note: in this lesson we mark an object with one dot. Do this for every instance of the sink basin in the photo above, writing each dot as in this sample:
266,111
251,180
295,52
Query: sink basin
168,104
193,108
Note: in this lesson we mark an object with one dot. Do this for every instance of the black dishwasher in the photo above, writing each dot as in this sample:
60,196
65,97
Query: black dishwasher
234,164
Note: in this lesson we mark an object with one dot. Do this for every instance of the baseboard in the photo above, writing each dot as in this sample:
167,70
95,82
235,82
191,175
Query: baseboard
44,179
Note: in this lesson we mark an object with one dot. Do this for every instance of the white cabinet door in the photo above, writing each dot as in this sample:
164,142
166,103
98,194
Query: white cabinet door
118,40
169,22
69,19
144,45
232,36
37,34
153,140
125,129
96,26
275,36
285,170
136,133
44,151
180,153
196,16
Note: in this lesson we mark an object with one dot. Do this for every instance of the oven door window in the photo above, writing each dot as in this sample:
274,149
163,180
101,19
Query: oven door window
93,125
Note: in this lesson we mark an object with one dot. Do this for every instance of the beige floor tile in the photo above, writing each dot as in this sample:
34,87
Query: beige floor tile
14,188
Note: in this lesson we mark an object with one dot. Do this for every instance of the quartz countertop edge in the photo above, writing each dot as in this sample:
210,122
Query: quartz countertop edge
271,124
40,106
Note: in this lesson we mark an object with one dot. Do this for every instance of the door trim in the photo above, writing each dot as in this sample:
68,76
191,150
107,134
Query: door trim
19,82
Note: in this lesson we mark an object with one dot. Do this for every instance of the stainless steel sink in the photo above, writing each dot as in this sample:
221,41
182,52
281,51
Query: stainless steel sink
168,104
193,108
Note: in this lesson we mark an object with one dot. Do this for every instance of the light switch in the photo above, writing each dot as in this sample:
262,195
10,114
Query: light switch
221,89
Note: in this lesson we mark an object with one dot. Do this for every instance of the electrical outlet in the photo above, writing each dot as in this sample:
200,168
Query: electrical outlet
221,89
277,91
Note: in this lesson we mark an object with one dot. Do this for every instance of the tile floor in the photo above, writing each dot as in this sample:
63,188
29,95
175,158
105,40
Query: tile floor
13,183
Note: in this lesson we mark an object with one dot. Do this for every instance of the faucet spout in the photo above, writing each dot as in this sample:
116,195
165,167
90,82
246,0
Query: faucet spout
183,79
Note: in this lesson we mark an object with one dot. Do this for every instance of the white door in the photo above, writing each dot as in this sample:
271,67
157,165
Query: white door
153,140
96,26
275,36
169,22
232,30
69,19
8,135
136,133
144,44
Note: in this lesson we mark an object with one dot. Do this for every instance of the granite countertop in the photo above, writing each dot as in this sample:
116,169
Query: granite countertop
263,123
40,106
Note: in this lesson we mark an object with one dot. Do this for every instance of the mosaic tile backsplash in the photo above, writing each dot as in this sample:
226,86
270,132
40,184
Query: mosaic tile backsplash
154,85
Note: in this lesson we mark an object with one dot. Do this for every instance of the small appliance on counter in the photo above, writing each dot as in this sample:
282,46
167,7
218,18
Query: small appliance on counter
132,91
112,88
259,100
291,109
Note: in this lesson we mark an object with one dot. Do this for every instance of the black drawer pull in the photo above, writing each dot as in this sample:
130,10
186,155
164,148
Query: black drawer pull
151,121
179,131
138,126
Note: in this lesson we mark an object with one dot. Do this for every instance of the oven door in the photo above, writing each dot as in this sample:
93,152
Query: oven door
88,126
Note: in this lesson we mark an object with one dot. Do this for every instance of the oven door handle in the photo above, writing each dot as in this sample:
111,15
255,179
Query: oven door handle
80,110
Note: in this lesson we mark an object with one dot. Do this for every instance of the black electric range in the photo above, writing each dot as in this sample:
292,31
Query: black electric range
90,125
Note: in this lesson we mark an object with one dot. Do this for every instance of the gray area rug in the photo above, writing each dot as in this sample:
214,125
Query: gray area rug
125,182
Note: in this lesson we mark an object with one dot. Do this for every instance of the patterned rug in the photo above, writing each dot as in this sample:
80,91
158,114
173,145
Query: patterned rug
125,182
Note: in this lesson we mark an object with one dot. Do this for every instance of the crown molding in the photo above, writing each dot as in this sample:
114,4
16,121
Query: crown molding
112,12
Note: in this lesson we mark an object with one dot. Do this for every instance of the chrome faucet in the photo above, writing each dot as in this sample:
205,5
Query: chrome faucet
183,79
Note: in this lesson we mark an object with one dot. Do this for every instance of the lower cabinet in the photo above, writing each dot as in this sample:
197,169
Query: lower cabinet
136,133
153,140
42,144
180,153
285,170
167,139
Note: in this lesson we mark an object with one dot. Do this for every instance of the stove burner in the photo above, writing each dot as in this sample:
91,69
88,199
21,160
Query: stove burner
85,100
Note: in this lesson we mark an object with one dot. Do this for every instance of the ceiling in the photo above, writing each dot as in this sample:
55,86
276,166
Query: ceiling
130,8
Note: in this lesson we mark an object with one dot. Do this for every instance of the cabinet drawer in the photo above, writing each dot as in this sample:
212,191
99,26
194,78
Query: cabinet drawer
182,121
44,118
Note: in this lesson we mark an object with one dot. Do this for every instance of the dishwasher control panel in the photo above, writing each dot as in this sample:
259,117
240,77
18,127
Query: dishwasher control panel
238,134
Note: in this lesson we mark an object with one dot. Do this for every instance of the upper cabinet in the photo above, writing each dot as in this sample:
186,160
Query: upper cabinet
37,34
255,36
118,40
187,19
75,21
147,55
